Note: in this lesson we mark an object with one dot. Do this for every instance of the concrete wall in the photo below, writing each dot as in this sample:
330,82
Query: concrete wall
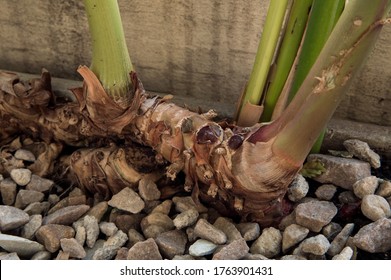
198,50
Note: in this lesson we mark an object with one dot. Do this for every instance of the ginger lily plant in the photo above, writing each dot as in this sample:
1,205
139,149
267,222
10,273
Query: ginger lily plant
244,171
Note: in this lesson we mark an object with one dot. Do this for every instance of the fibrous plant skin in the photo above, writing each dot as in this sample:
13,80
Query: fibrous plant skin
244,171
220,164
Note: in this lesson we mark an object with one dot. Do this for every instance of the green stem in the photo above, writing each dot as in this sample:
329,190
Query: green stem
329,78
286,56
110,58
265,52
324,15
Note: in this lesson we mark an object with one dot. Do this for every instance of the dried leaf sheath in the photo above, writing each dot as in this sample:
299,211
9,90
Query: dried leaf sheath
221,166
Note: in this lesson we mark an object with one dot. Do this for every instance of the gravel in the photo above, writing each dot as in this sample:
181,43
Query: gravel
73,248
325,192
375,207
205,230
144,250
249,231
202,247
12,218
362,151
21,176
127,200
341,172
340,240
344,216
298,189
292,235
229,229
172,243
268,244
365,186
374,237
317,245
314,215
90,223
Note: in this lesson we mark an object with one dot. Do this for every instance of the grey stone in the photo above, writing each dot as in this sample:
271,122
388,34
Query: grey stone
226,226
384,189
73,248
25,155
122,254
374,237
12,218
50,235
8,191
298,189
186,203
53,199
249,231
345,254
144,250
81,235
66,215
42,255
331,230
105,253
172,243
234,250
183,258
21,176
62,256
287,220
118,239
108,228
91,251
148,189
155,224
127,200
375,207
340,240
292,235
37,183
317,245
191,236
22,246
361,150
347,197
26,197
293,258
202,247
314,215
342,172
255,257
186,218
29,229
134,236
326,192
37,208
126,221
268,243
92,230
76,192
9,256
164,207
365,186
98,210
209,232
